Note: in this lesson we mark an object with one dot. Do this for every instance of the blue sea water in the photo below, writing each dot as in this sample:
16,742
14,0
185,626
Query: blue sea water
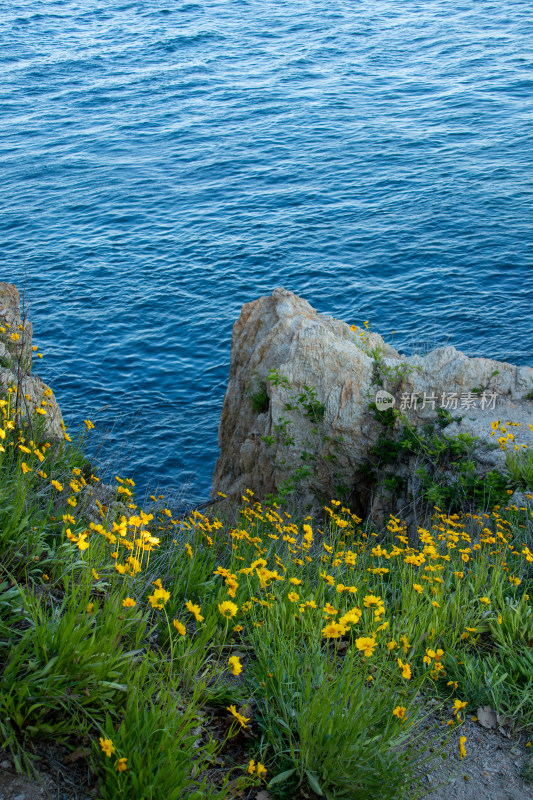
163,162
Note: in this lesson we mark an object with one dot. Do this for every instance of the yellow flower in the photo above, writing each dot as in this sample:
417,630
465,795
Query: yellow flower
462,750
107,746
256,769
180,627
392,644
129,602
333,630
372,600
96,576
405,668
188,549
24,467
227,609
82,544
399,712
458,705
418,588
159,598
235,664
293,597
484,600
195,610
351,617
121,765
89,425
239,717
366,644
90,608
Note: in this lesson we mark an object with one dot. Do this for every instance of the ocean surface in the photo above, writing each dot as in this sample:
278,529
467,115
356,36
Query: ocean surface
164,162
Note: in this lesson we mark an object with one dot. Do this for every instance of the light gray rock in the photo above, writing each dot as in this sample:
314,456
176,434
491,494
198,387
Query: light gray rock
348,366
16,363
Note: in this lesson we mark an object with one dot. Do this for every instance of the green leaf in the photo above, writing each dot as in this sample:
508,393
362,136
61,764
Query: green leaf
46,669
120,687
313,783
500,679
283,776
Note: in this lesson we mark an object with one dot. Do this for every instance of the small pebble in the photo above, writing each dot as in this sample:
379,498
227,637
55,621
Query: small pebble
5,765
21,796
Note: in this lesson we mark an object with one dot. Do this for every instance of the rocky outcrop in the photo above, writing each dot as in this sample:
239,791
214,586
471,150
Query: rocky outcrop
16,364
301,401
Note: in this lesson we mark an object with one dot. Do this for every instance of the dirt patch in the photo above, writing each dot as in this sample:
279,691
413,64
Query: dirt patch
61,775
495,767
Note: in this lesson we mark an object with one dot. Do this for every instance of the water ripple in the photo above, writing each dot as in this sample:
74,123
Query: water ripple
165,163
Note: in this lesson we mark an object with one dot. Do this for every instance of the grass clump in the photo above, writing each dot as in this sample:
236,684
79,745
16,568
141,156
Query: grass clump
520,466
260,400
445,467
